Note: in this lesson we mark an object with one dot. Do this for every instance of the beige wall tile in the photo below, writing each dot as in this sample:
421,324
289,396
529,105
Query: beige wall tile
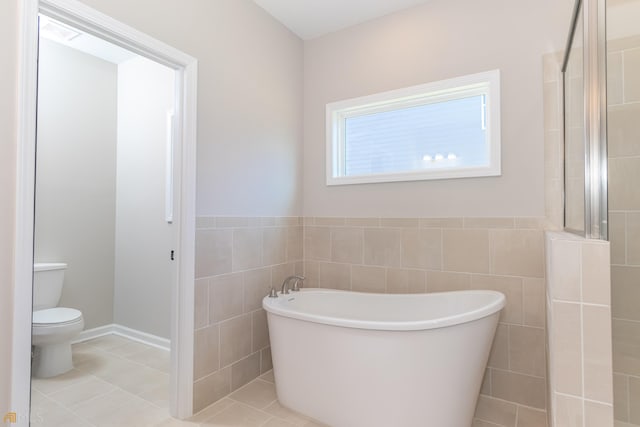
551,65
213,252
597,357
633,238
382,246
569,412
623,130
402,281
496,411
368,279
280,272
363,222
622,171
631,73
226,297
205,222
257,284
317,243
247,248
620,397
553,160
441,222
596,273
529,417
615,85
534,302
534,223
517,252
211,388
205,351
511,287
245,370
626,346
514,387
268,221
329,221
634,400
625,292
400,222
527,350
465,250
565,269
288,221
422,248
597,414
201,309
551,105
235,339
266,363
566,345
489,222
486,383
499,356
334,276
617,237
311,274
346,245
231,221
274,245
442,281
260,331
295,238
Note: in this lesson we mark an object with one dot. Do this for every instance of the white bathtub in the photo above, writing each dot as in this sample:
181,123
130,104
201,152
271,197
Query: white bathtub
352,359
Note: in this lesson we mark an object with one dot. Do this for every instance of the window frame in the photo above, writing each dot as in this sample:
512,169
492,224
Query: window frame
485,83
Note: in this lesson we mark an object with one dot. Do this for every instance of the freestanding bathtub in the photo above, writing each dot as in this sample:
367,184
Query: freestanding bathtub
350,359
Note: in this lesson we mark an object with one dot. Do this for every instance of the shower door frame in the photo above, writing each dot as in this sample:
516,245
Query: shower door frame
182,322
595,115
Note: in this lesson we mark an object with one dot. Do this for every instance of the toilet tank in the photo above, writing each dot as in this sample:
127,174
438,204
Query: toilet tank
48,279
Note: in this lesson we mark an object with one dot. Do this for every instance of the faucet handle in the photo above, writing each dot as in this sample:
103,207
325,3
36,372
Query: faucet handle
273,293
299,279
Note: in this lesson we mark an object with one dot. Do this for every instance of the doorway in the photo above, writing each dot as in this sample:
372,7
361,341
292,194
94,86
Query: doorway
103,225
179,163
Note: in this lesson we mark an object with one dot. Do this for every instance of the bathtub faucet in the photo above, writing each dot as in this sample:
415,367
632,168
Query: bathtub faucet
285,283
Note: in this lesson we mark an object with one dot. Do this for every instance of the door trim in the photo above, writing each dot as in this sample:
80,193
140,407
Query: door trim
182,320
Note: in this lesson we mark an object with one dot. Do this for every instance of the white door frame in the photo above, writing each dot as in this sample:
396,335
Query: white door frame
182,320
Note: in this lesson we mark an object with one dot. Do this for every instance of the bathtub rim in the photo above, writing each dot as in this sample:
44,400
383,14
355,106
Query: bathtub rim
275,306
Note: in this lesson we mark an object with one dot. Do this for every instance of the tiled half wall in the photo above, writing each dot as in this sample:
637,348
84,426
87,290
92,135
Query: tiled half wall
579,325
238,259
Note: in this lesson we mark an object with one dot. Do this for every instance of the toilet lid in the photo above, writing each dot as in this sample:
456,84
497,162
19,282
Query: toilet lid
56,316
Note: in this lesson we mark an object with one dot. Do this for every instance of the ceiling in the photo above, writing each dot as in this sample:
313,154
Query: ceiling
313,18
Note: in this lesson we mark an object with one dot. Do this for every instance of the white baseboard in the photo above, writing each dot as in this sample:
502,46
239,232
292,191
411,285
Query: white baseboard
123,331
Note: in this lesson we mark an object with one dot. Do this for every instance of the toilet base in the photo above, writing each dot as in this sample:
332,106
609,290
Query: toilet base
50,360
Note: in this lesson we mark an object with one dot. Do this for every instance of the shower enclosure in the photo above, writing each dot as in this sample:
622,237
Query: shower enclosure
601,73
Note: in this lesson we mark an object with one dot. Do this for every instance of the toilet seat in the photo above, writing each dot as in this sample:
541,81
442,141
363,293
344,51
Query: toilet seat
57,316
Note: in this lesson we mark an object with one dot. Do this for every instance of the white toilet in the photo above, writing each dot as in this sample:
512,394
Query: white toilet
53,327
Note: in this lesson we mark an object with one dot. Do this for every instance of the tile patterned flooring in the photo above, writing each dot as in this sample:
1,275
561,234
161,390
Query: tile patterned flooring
119,382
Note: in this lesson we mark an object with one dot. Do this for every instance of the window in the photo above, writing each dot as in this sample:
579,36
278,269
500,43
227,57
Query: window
445,129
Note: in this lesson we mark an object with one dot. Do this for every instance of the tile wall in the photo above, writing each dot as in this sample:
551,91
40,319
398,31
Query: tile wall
405,255
579,327
237,261
623,86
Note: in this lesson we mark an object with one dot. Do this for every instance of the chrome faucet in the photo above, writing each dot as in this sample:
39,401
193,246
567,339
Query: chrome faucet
285,289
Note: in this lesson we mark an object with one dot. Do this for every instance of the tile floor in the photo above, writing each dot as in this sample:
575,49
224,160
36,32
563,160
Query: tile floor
119,382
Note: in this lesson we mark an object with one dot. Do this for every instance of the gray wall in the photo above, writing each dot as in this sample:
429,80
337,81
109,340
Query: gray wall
438,40
76,176
143,271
